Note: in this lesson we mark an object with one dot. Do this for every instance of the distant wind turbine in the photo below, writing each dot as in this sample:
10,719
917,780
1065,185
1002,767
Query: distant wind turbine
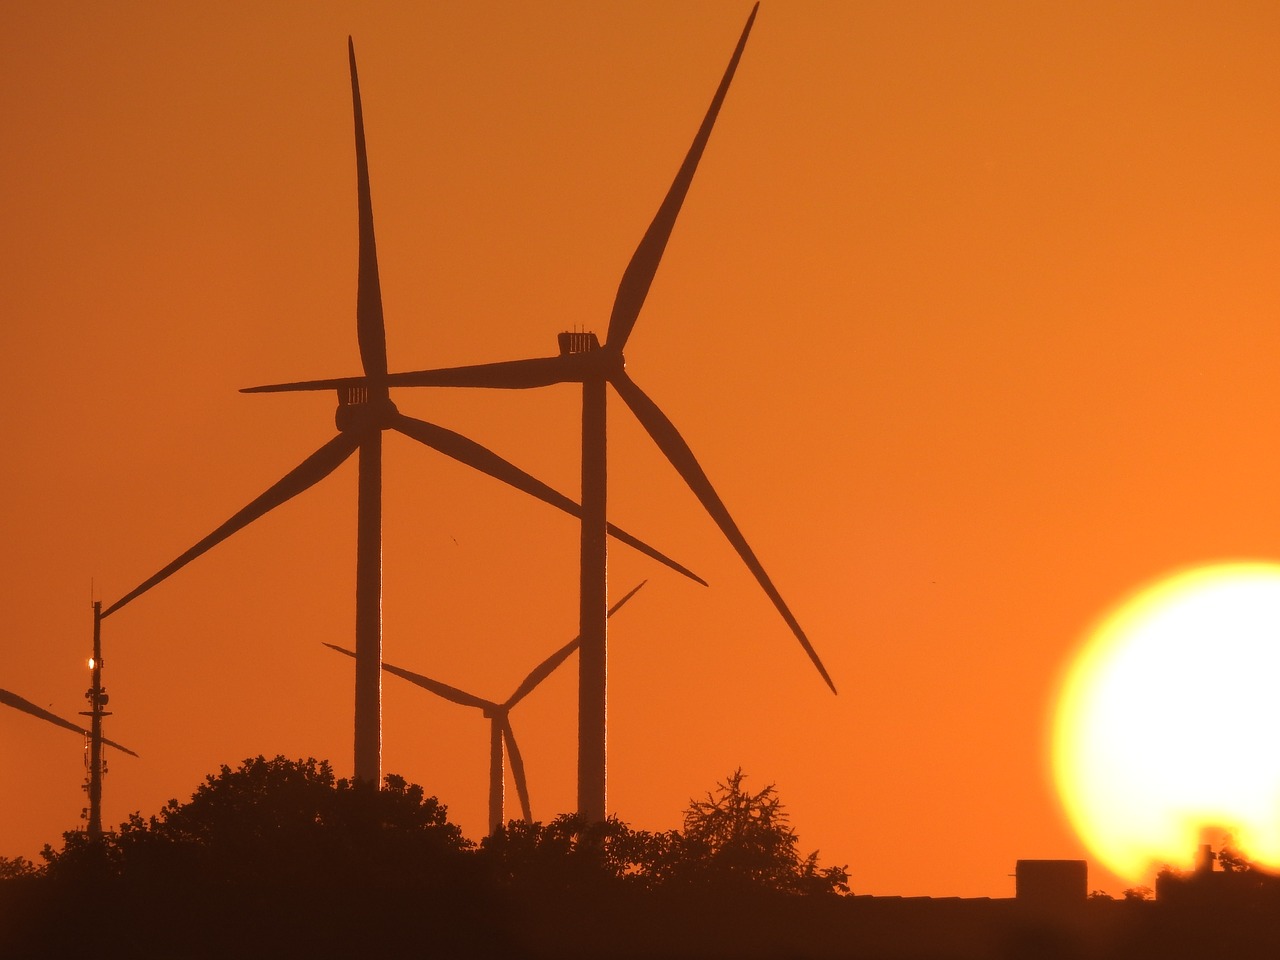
365,410
98,699
499,719
582,359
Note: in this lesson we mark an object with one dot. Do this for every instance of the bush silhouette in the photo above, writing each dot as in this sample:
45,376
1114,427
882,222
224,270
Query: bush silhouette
309,862
732,840
280,858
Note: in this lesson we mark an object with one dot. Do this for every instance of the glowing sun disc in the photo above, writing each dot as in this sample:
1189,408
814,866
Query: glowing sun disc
1168,723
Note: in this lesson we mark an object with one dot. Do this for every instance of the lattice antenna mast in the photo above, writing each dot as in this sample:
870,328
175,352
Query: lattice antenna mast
98,699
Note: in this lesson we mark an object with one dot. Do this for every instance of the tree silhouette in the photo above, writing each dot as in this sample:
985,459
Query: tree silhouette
734,840
320,866
1232,860
12,868
741,838
570,853
266,805
279,824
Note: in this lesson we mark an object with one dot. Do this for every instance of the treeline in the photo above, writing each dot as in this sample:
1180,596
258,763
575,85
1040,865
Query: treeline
280,858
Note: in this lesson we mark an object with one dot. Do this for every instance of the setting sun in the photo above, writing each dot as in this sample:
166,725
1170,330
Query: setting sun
1166,725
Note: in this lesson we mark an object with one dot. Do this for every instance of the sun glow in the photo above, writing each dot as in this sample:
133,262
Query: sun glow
1168,720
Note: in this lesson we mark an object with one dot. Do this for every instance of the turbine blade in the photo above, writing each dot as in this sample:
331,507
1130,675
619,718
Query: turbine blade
466,451
548,666
644,262
630,593
370,330
505,375
677,451
121,747
311,471
26,706
517,769
337,383
542,671
442,690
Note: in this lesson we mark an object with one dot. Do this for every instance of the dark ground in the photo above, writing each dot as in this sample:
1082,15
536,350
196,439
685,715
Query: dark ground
328,918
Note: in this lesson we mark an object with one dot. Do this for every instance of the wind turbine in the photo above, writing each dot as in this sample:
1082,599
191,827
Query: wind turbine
499,718
582,359
98,699
364,411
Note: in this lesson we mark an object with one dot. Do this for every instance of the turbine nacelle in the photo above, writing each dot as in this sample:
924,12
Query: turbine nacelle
584,358
361,409
577,341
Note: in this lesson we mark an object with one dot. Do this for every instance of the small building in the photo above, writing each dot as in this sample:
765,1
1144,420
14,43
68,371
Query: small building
1052,883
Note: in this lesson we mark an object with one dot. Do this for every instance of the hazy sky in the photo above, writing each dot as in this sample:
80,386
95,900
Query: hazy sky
970,316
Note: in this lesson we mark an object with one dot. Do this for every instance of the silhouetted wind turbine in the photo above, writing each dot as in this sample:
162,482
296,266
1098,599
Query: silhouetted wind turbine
98,699
499,718
365,410
582,359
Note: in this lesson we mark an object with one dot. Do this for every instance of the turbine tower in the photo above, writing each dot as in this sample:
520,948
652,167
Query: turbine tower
364,411
98,699
499,719
583,359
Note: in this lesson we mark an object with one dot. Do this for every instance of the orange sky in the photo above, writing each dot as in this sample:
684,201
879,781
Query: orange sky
969,316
